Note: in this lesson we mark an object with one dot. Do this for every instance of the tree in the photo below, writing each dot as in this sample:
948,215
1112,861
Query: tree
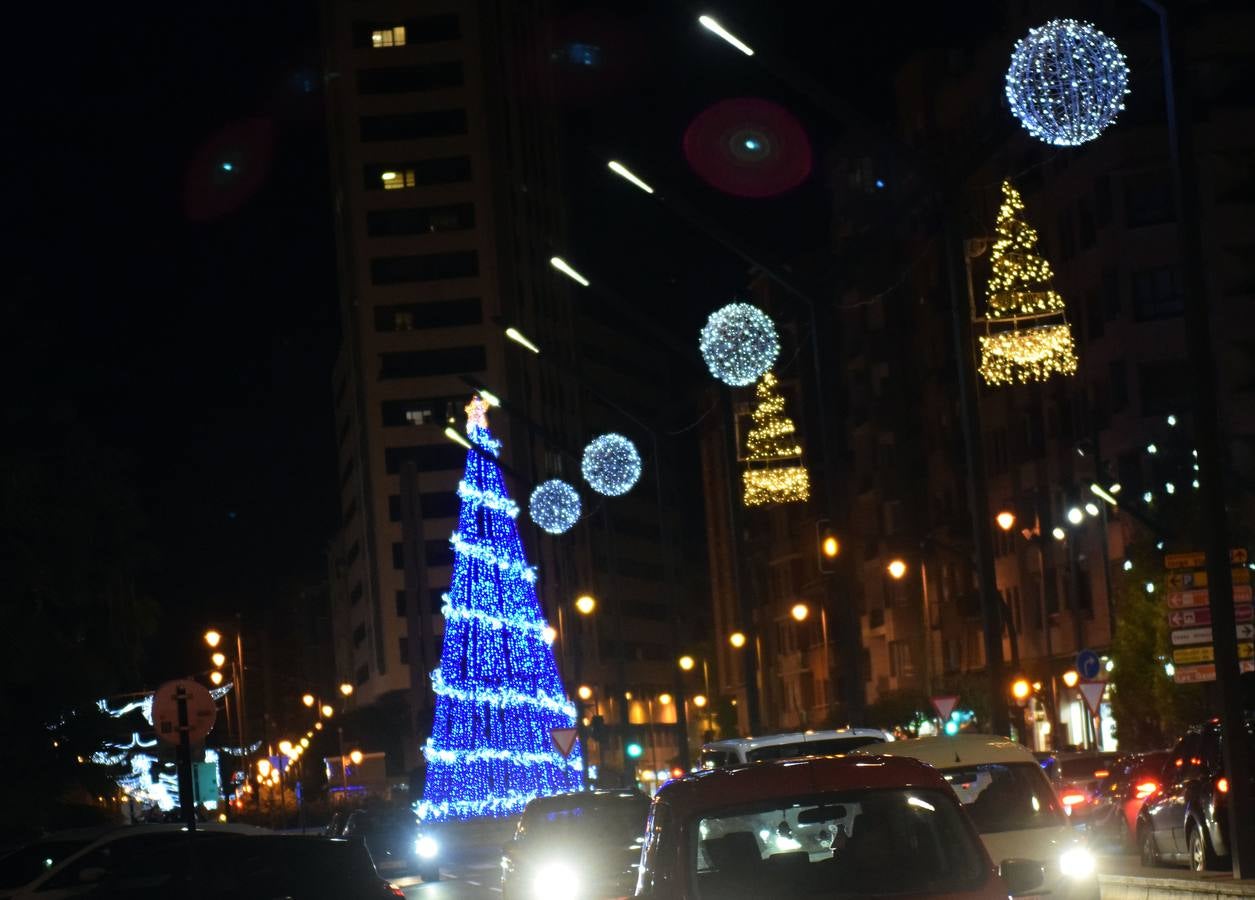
498,691
774,472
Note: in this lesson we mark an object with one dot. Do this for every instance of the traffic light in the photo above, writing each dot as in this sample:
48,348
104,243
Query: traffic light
633,747
827,545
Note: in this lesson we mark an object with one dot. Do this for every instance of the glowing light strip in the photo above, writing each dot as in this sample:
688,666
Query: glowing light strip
496,622
481,438
489,499
624,172
552,758
495,805
709,23
509,568
565,268
502,699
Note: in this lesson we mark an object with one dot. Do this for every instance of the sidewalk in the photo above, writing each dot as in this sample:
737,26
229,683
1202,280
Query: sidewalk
1124,878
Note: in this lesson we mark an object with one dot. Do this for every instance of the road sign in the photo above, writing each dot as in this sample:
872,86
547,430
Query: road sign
1183,581
1190,618
205,781
1197,559
1181,637
1088,665
945,704
1205,672
1206,653
1190,599
201,711
563,739
1092,691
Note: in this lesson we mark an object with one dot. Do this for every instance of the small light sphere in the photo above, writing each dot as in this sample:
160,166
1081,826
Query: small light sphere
611,465
1067,82
687,663
739,343
218,659
664,699
346,689
737,639
699,700
327,710
555,506
585,692
1150,587
585,604
1059,533
800,611
897,568
1005,520
1091,508
1020,689
549,634
308,699
1128,565
1070,678
355,757
212,638
1075,516
215,677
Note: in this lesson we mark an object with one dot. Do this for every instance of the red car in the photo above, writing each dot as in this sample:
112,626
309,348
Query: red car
820,827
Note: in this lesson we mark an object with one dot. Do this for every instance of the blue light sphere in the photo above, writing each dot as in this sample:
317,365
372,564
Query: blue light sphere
739,344
611,465
1067,82
554,506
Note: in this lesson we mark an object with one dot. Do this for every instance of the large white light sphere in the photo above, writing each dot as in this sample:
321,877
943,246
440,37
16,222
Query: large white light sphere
611,465
739,344
1067,82
554,506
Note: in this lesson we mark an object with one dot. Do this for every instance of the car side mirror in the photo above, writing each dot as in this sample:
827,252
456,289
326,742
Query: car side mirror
92,874
1022,876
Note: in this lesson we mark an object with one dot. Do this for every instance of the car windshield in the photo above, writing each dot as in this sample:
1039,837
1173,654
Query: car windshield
387,820
810,748
871,842
25,865
1086,767
714,759
1005,796
620,821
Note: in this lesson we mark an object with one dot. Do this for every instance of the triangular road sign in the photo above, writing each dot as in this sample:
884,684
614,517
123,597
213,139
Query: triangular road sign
563,739
1092,691
945,705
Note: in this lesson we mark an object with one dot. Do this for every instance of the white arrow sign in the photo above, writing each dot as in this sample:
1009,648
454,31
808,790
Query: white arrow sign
1185,636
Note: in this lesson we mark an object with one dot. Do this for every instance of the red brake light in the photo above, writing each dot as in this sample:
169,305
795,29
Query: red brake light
1101,773
1222,785
1146,788
1072,799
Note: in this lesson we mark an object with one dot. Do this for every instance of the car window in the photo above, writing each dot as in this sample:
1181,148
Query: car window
898,841
715,759
838,745
1005,796
777,751
1185,750
142,860
617,822
1086,767
25,865
656,827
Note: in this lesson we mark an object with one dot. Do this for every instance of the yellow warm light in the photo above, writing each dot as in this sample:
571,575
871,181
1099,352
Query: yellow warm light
800,611
263,767
1070,678
346,689
831,547
699,700
285,747
585,692
1022,355
308,699
664,699
687,663
304,742
355,756
218,659
327,710
1020,689
585,604
737,639
212,638
1005,520
897,568
550,634
774,471
216,677
318,726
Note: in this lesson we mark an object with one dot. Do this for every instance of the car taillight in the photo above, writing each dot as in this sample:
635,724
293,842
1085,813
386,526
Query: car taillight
1222,785
395,891
1145,789
1101,773
1070,800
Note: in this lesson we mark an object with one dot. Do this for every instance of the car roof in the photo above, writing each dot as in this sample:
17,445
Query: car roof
793,737
578,798
756,782
956,750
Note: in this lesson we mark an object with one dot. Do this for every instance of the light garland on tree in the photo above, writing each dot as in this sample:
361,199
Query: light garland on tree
1067,82
1027,335
611,465
739,343
774,471
555,506
498,691
488,499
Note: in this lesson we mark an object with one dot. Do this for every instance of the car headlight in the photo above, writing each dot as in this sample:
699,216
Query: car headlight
426,847
1077,863
555,880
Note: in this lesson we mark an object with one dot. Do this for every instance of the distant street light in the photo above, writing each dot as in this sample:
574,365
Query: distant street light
1020,689
218,659
521,339
318,726
664,699
687,663
1005,520
713,26
216,677
624,172
1070,678
800,611
1059,533
585,604
263,767
327,710
304,742
346,689
308,699
212,638
737,639
1075,516
699,700
355,757
565,268
285,747
831,547
585,692
897,568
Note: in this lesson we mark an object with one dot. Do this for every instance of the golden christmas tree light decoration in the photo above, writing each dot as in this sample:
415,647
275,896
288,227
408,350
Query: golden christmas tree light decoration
1027,335
774,472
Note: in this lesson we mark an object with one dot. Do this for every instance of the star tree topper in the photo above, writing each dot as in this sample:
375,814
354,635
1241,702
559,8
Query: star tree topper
476,413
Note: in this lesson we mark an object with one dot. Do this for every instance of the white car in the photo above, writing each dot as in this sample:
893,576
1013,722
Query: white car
1010,800
737,751
70,863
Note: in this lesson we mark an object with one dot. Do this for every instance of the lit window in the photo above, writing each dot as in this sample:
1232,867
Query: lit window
388,37
396,180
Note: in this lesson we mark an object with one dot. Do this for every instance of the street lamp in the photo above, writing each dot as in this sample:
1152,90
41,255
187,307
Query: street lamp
212,638
355,756
897,568
687,663
831,547
327,710
346,689
1058,533
218,659
699,700
800,611
308,699
585,692
263,767
1070,678
710,24
285,747
1005,520
585,604
304,742
624,172
1020,689
1076,516
737,639
216,677
664,699
318,726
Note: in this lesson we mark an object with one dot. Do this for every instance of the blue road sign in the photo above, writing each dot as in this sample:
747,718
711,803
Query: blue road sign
1088,665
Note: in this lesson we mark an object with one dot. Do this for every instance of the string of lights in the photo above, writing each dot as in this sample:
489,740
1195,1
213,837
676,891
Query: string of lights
489,499
774,473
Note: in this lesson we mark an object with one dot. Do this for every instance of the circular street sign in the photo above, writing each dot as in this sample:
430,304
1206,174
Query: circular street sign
201,711
1088,664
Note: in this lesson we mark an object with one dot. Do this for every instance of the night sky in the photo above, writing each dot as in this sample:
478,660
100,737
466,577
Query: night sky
193,325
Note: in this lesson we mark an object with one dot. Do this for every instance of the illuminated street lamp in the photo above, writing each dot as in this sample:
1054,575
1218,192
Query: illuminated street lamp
308,699
218,659
304,742
831,547
212,638
585,604
285,747
585,692
800,611
699,700
897,568
1005,520
318,726
687,663
1020,689
263,767
1070,678
355,757
1076,516
327,710
346,689
737,639
664,699
216,677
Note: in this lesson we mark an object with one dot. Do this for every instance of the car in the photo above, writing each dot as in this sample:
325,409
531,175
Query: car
1079,776
1003,788
335,825
1187,819
819,827
585,844
397,843
1119,797
735,751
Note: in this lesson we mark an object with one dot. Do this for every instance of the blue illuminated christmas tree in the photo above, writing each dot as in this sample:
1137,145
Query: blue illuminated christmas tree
498,692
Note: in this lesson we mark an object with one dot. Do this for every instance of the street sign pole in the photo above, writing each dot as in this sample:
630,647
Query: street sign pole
187,790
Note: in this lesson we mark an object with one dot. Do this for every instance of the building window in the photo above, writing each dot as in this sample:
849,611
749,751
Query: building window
420,220
440,505
359,634
401,604
413,126
428,267
403,646
1157,293
409,79
434,314
388,37
362,675
356,595
445,456
437,361
1118,380
1147,199
426,411
425,30
900,659
445,170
